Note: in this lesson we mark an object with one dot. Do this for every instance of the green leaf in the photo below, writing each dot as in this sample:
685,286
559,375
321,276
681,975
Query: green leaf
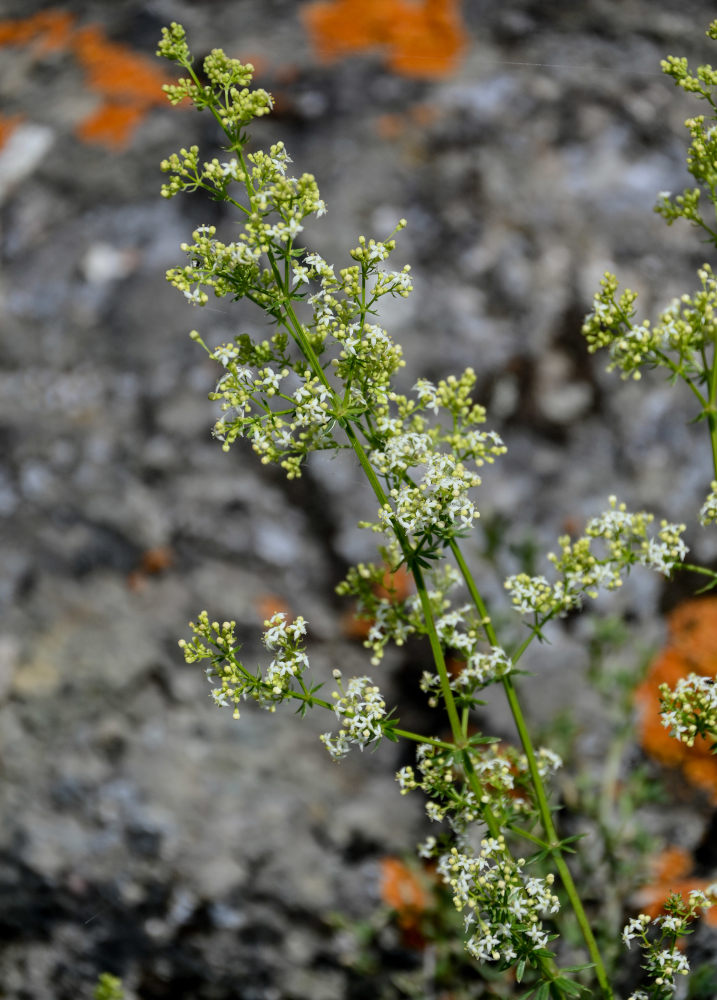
568,986
479,740
543,992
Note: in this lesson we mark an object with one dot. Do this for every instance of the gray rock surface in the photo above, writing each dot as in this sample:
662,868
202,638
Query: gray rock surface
144,831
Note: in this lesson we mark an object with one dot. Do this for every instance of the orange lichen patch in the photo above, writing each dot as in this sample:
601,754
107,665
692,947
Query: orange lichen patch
152,562
672,864
693,632
353,627
269,604
128,83
405,892
429,39
111,124
8,124
395,586
691,648
671,874
156,560
49,30
420,39
116,71
668,668
401,888
454,666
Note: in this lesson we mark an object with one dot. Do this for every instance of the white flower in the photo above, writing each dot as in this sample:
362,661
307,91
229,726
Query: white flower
301,275
635,927
360,709
427,847
225,354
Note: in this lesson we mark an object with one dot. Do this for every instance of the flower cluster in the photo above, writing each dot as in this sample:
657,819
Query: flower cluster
708,510
481,669
282,427
502,907
702,153
690,709
503,776
276,207
361,710
624,541
232,681
477,671
432,500
676,341
394,617
658,938
227,91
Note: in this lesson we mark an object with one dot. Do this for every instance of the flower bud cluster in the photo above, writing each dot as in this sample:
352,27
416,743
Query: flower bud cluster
702,153
502,907
361,710
676,341
232,681
173,45
367,356
690,709
702,83
227,91
624,542
658,938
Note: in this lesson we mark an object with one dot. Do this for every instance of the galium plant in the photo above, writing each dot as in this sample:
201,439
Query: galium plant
325,381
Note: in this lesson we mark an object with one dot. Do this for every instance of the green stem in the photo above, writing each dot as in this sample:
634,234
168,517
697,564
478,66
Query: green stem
526,835
417,738
712,408
537,782
547,966
309,699
438,656
697,569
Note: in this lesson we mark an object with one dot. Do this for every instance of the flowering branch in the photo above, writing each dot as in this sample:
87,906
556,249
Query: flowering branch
324,381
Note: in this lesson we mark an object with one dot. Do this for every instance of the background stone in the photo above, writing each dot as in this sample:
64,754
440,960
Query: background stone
144,832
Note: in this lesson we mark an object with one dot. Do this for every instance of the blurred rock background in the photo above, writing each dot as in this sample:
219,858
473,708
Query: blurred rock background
144,832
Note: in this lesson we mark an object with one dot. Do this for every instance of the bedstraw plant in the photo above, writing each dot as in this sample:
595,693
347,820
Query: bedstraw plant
325,381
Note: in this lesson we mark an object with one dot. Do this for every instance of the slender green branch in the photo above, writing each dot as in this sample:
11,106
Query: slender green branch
712,406
438,656
418,738
702,570
541,798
